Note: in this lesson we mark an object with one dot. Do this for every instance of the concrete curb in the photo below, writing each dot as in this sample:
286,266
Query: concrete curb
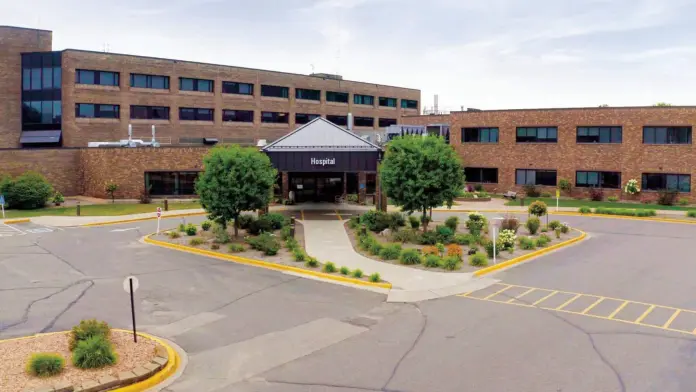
528,256
570,213
116,222
267,265
19,220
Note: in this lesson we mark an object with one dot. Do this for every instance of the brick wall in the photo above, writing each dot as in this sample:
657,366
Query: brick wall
426,119
14,41
60,166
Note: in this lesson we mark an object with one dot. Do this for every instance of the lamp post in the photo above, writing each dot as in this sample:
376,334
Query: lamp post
497,218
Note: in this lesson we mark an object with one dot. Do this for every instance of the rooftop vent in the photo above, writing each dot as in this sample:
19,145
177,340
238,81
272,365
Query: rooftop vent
327,76
473,110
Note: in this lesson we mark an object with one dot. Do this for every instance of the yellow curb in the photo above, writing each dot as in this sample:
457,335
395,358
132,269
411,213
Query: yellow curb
571,213
166,372
19,220
528,256
116,222
266,264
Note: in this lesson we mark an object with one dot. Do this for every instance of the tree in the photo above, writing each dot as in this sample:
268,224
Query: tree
419,173
662,104
234,179
111,187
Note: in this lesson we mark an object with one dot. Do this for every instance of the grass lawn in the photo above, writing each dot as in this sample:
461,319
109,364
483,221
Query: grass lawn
551,202
100,210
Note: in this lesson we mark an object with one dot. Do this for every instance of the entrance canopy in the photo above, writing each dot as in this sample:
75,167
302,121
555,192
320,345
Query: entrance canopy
322,146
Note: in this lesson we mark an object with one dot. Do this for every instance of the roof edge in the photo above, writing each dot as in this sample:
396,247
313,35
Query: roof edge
265,148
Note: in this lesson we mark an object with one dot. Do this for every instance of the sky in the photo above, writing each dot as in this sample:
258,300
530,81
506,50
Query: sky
485,54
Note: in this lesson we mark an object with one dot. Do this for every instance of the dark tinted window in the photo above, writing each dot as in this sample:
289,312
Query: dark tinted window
667,135
102,78
386,101
481,174
364,121
599,134
274,117
535,177
149,81
334,96
537,135
171,183
363,99
303,93
385,122
303,118
238,115
89,110
274,91
338,120
41,112
149,112
237,88
189,84
195,114
600,179
663,181
409,104
479,135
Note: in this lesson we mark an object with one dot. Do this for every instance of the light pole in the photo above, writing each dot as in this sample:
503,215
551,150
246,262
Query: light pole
494,242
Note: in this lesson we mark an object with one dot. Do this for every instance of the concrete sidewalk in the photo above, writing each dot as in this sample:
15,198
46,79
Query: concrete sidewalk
67,221
328,241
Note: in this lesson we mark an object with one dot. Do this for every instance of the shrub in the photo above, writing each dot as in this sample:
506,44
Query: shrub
311,262
93,353
544,229
174,234
196,241
510,222
646,213
444,234
397,220
625,212
424,221
291,244
277,220
404,235
390,252
45,364
145,197
182,227
691,214
58,198
329,267
478,188
532,225
478,260
431,250
558,232
564,228
266,243
375,248
538,208
206,225
585,210
245,220
214,246
464,239
543,240
375,221
440,248
596,194
220,234
191,229
427,238
632,187
365,242
87,329
432,261
344,270
545,194
454,251
452,222
410,257
352,198
285,233
683,201
613,199
489,247
531,191
261,225
29,191
527,243
299,254
375,278
667,198
451,263
564,185
475,225
353,222
414,221
357,273
554,224
507,239
236,248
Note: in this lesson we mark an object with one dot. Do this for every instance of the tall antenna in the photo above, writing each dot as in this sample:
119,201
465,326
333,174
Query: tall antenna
338,46
312,65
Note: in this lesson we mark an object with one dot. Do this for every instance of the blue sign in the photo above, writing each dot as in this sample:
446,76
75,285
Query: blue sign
362,186
2,199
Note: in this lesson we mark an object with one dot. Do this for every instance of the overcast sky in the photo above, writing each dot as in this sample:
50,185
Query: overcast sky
485,54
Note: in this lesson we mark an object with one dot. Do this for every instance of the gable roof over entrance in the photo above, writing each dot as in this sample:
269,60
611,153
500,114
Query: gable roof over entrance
321,135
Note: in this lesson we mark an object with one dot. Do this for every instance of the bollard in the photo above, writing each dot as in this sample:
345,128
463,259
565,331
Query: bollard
292,221
166,205
78,208
521,201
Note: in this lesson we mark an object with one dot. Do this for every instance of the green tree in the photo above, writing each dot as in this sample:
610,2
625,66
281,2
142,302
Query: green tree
419,173
234,180
662,104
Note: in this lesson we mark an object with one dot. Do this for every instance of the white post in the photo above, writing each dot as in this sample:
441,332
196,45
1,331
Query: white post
158,225
494,258
3,210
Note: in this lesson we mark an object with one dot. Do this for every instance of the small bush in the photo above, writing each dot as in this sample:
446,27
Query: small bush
404,235
452,222
510,222
527,243
565,228
454,251
613,199
214,246
646,213
299,254
667,198
532,225
478,260
182,227
174,234
266,243
245,220
45,364
329,267
432,261
489,247
236,248
285,233
396,220
206,225
564,185
196,241
375,248
59,198
390,252
464,239
544,229
596,194
376,221
357,273
220,234
683,201
691,214
440,248
531,191
410,257
277,220
344,270
191,229
545,194
451,263
538,208
507,238
29,191
430,250
444,234
476,223
261,225
311,262
375,278
93,353
558,232
478,188
354,222
543,240
291,244
87,329
585,210
427,238
414,221
554,224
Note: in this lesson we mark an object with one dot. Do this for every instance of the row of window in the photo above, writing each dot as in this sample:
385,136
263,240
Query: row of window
651,135
89,110
45,78
107,78
583,179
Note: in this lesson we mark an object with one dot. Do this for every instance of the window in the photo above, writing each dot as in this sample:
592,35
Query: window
171,183
599,135
237,88
45,78
363,99
385,122
389,102
333,96
149,81
666,135
101,78
479,135
90,110
274,117
364,122
149,112
302,118
409,104
338,120
537,135
481,174
274,91
535,177
189,84
662,181
41,112
312,95
238,115
195,114
598,179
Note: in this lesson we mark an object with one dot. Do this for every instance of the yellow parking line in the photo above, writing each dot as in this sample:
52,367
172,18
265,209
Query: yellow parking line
566,303
674,316
520,296
339,215
615,312
302,214
545,298
497,292
587,309
645,314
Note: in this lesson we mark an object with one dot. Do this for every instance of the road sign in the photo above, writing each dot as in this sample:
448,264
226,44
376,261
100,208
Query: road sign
558,193
2,205
159,216
126,284
2,199
159,211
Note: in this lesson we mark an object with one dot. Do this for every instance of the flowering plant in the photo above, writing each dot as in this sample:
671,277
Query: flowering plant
507,238
632,187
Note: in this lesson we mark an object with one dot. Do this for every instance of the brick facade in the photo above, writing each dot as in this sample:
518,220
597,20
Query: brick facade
61,167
